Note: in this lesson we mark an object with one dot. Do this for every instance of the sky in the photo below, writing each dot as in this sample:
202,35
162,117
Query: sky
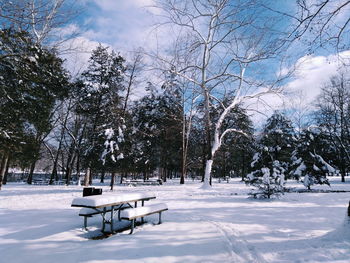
126,25
123,25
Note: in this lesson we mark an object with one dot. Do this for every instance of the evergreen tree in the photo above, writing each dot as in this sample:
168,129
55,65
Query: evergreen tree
32,81
271,163
279,139
268,181
101,106
157,120
146,132
308,166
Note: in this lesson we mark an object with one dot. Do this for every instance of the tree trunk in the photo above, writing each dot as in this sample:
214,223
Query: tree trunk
31,172
69,170
4,180
68,175
243,174
184,150
78,167
121,177
103,175
342,173
112,180
3,166
208,151
59,176
91,176
137,60
207,174
203,162
165,173
54,172
87,176
182,178
70,162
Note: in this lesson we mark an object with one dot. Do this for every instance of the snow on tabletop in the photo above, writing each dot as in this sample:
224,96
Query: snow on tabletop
143,210
99,200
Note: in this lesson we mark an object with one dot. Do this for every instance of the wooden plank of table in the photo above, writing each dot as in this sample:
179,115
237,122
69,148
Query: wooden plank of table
116,203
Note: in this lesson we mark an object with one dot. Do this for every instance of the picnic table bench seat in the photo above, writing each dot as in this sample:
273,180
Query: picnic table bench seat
132,214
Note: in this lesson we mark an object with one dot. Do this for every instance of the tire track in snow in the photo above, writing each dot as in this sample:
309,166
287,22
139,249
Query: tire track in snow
240,250
238,247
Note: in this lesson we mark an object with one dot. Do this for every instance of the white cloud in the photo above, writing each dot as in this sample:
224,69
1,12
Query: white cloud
124,24
108,5
311,74
76,53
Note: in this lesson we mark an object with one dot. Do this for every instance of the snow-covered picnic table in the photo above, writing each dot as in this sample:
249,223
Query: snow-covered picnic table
112,204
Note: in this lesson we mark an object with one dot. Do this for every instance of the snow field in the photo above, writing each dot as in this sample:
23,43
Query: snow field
223,224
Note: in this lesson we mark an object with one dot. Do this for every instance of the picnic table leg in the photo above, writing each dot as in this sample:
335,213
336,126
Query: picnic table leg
142,203
160,218
104,219
120,207
112,214
132,226
85,222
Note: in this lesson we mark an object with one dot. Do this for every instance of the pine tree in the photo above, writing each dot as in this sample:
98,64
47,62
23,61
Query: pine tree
146,132
268,181
157,131
101,106
271,163
308,166
32,82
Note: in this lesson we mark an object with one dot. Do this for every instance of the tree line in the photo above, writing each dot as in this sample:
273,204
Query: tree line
193,118
89,126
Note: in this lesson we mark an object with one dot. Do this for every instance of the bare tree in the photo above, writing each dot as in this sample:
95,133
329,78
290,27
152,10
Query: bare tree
43,19
300,110
328,20
333,116
223,39
321,23
132,75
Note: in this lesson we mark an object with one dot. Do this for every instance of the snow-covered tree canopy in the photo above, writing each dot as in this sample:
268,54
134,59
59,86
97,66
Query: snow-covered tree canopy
32,80
308,165
101,105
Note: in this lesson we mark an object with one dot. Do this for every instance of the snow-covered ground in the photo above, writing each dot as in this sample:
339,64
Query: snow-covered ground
37,224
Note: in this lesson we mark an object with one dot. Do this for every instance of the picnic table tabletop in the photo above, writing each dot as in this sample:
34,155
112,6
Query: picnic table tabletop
99,201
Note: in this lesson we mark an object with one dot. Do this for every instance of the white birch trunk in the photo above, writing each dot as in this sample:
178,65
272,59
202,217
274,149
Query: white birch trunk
208,167
217,136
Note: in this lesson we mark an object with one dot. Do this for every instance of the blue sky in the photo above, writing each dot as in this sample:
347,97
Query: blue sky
126,25
123,24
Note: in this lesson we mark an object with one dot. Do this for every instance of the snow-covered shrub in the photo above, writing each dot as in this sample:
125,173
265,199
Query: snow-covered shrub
269,182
